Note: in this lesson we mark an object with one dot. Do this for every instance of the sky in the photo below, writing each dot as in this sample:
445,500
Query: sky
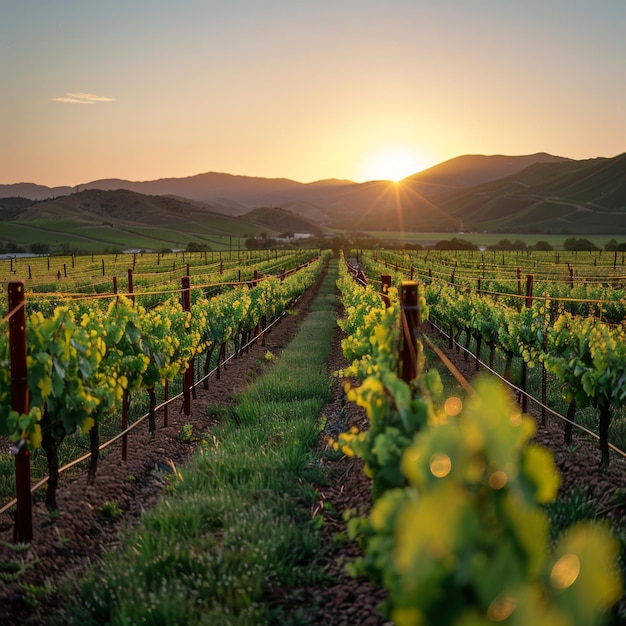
302,89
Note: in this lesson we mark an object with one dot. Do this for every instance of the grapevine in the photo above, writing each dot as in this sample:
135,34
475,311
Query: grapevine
457,533
84,359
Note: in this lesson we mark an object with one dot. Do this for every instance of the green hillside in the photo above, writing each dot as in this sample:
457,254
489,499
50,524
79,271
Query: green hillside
95,220
574,197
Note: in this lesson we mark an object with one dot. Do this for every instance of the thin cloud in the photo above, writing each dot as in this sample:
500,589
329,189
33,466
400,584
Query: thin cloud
90,97
82,98
72,100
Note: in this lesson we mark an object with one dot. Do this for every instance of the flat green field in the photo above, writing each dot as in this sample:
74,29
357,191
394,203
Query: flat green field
487,239
96,237
219,233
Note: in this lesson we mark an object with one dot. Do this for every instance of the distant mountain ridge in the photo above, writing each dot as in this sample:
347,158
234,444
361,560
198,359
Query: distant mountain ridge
460,171
475,169
497,193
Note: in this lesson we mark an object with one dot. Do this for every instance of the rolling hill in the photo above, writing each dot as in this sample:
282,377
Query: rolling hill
499,193
122,218
572,197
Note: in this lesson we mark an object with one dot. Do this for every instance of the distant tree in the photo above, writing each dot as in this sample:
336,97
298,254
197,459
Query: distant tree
260,243
336,245
543,246
504,244
270,242
580,244
40,248
192,246
507,244
455,244
13,247
611,245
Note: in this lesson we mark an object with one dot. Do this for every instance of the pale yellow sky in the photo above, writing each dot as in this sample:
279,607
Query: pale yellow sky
301,90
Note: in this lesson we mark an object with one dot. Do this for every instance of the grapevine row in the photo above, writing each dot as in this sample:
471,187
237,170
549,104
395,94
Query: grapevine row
585,354
156,283
457,533
84,361
597,291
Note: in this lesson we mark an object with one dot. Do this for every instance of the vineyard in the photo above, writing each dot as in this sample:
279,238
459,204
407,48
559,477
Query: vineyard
86,358
455,462
553,318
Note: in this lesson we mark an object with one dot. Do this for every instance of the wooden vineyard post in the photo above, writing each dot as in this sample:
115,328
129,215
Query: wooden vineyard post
188,374
166,397
529,290
23,529
131,289
125,406
410,330
528,303
385,280
544,383
125,396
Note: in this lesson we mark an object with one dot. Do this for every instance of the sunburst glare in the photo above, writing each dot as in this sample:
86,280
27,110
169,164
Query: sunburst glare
392,163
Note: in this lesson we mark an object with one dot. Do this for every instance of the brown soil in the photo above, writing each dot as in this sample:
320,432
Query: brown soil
80,534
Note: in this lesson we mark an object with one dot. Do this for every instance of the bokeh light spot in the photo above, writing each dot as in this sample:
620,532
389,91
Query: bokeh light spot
498,480
565,571
440,464
501,608
453,406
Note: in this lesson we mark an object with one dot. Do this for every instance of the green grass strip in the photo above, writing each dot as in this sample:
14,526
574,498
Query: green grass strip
235,524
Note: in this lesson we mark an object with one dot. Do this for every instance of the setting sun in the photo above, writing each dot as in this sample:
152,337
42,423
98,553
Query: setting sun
392,163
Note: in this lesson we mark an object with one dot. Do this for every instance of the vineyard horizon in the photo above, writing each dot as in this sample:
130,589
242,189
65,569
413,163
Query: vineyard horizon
63,236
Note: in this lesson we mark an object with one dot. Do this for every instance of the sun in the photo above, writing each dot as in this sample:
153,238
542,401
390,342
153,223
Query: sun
392,163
